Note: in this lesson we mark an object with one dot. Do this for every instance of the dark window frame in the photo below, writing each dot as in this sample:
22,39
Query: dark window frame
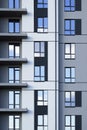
14,21
42,4
70,55
70,7
43,101
40,77
72,103
14,4
42,29
14,50
70,79
70,30
14,104
14,75
39,53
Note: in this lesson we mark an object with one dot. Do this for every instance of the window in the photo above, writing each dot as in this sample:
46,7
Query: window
14,26
14,122
14,75
69,5
69,51
72,5
39,74
13,3
42,122
42,25
39,49
72,121
70,27
14,51
69,122
14,99
42,98
70,99
69,74
73,99
42,3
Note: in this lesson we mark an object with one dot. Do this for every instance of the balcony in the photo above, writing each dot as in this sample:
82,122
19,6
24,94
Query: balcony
13,85
12,61
7,110
12,36
7,12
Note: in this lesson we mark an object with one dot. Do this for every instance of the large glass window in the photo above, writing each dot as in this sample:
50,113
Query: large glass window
14,3
69,5
42,3
69,99
42,98
14,75
14,99
14,51
69,122
42,122
42,25
69,74
39,49
69,27
39,73
14,122
14,26
69,51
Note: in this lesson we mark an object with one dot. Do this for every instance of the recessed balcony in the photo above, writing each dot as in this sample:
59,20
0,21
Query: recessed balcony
12,61
7,12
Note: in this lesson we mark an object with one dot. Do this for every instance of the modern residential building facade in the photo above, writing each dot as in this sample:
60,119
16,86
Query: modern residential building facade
43,64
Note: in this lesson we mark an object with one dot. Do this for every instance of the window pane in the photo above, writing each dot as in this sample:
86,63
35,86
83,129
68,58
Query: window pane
72,24
67,2
45,1
42,70
67,24
17,98
45,95
73,72
40,128
11,4
17,75
40,95
11,122
40,22
67,96
73,48
37,48
72,120
45,119
67,120
67,128
40,1
17,123
11,27
11,74
40,120
17,27
16,3
11,51
17,51
46,22
67,72
72,2
11,97
42,47
73,96
37,71
67,48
